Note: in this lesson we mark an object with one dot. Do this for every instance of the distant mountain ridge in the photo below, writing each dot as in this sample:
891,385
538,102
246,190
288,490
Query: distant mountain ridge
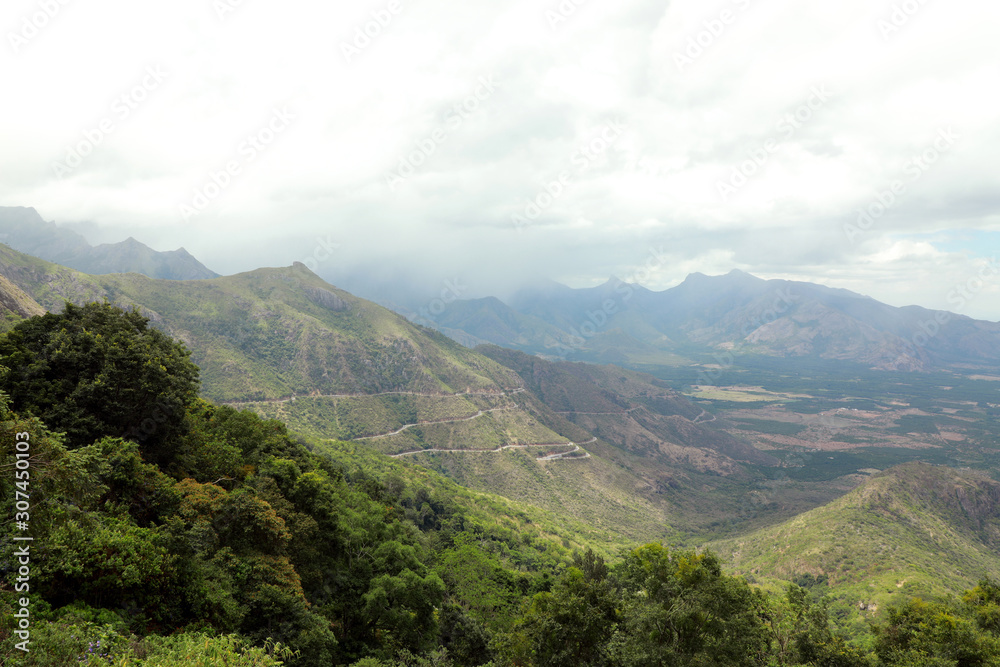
736,313
24,230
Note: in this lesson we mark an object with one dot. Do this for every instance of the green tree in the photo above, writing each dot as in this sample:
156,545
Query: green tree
478,582
401,599
465,639
570,625
928,633
810,635
110,562
97,370
984,603
679,609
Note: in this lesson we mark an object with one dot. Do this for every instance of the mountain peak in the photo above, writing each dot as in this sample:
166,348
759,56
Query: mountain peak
24,230
129,245
736,275
613,281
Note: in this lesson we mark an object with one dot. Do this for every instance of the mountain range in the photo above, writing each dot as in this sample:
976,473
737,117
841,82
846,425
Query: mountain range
722,316
333,366
703,318
286,344
24,229
615,455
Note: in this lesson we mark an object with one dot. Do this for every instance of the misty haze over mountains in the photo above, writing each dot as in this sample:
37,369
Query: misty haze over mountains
736,313
24,230
617,322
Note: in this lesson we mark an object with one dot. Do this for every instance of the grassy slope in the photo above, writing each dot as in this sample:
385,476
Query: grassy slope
619,514
520,516
47,283
915,529
274,333
15,304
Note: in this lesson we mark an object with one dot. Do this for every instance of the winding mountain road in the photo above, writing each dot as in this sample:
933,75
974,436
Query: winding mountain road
565,455
434,421
550,457
290,399
697,420
479,413
576,412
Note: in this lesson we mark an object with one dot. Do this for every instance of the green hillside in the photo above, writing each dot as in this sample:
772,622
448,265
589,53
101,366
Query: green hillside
914,529
15,304
275,333
47,283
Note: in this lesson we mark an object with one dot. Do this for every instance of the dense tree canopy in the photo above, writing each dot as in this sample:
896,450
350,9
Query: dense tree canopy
97,370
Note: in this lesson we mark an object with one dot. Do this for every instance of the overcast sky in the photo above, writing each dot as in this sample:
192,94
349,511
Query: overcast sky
490,142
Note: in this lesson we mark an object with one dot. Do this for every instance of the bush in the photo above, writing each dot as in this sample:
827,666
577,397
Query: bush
201,650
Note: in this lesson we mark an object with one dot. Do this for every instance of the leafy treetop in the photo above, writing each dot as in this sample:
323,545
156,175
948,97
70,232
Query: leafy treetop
97,370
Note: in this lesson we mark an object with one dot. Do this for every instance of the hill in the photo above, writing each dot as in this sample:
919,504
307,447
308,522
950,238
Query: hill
131,256
49,284
631,409
277,333
914,529
24,229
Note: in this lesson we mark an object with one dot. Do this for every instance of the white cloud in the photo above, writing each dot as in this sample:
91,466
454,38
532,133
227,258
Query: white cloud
687,128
